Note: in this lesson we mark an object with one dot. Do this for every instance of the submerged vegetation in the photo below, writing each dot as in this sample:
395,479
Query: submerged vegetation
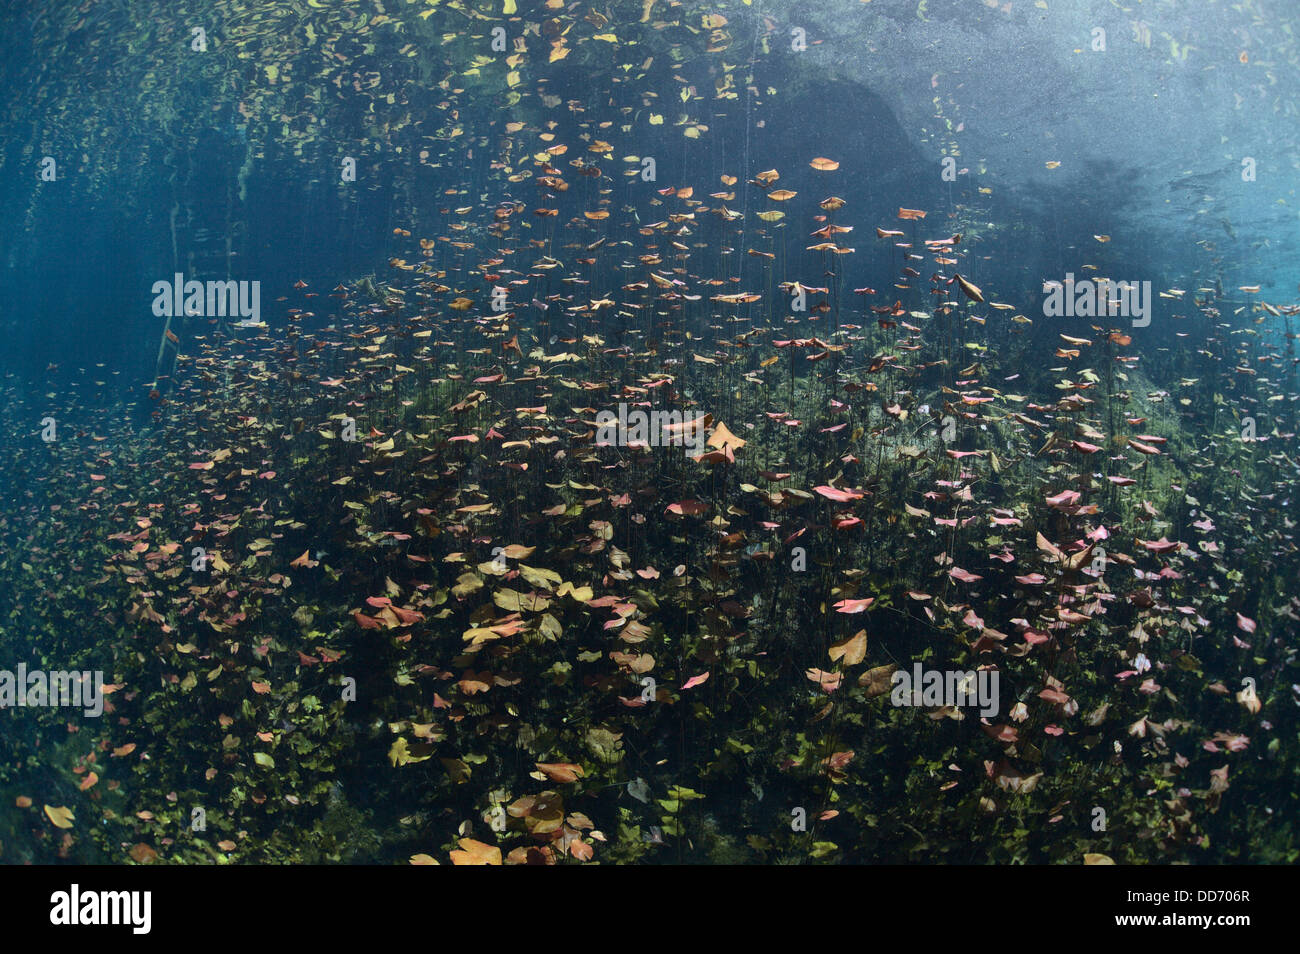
367,584
451,619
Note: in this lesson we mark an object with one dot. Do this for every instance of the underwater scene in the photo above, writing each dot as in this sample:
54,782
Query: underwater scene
711,432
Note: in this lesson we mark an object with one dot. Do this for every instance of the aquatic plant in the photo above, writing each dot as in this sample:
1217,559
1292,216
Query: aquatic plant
366,586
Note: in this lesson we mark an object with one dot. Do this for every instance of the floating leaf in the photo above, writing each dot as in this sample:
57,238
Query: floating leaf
562,772
143,854
475,853
854,606
828,681
852,650
59,817
877,681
